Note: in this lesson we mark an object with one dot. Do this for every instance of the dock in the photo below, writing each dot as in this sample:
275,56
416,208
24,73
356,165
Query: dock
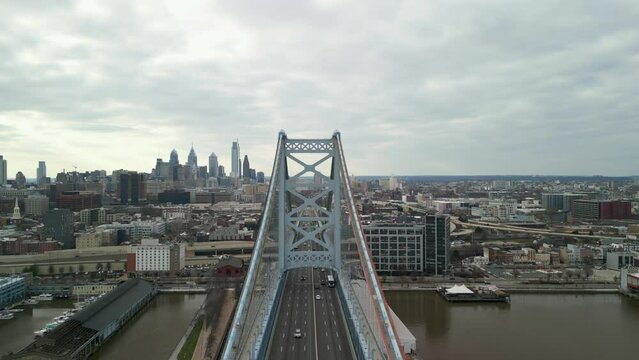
83,333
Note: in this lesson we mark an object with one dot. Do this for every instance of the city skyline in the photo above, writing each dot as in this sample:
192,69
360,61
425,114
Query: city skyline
415,88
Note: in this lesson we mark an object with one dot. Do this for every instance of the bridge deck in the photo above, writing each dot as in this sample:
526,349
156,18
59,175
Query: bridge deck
321,322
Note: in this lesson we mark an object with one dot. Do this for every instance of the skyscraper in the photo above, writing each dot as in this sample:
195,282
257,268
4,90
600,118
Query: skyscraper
213,165
41,173
58,223
3,171
21,180
192,159
131,188
235,159
246,167
220,171
173,158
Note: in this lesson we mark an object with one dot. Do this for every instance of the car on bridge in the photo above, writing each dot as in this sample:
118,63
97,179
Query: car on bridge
318,297
298,334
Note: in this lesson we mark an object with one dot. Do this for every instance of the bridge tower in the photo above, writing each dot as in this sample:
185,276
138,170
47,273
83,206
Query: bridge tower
310,219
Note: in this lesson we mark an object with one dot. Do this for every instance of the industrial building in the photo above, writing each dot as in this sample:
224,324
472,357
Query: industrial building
83,333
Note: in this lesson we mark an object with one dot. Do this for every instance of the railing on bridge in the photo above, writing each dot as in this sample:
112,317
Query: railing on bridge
311,222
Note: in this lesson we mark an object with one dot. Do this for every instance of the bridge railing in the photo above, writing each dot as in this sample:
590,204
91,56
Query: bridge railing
255,310
366,306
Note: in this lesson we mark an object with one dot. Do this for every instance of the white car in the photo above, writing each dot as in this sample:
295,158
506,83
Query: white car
298,334
318,297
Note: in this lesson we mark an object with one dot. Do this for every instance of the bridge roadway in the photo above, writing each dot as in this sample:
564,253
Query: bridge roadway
321,322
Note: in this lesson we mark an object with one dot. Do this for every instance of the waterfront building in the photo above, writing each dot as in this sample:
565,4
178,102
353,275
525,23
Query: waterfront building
3,171
36,205
213,165
396,247
436,244
12,289
236,171
59,224
41,173
89,329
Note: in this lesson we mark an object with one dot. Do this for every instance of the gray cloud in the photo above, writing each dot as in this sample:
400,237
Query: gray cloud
437,87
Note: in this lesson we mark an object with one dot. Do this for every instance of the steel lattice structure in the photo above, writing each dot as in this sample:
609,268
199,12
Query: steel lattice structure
311,223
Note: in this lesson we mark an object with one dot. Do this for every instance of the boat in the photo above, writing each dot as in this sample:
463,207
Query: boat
462,293
31,301
43,297
6,316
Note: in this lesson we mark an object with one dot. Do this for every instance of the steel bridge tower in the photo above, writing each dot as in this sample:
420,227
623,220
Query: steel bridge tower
310,219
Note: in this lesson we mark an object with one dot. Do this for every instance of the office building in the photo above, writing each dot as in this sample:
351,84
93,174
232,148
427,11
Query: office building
58,223
260,177
192,159
36,205
21,180
3,171
131,188
150,255
137,230
602,209
246,168
221,171
91,217
78,200
235,160
213,165
396,248
41,173
12,290
436,244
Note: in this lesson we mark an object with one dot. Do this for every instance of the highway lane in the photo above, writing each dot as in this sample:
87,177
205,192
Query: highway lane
320,321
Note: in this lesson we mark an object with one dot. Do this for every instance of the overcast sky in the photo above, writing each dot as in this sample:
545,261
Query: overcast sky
415,87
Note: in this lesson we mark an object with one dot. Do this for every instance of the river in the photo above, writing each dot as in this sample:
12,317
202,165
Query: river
558,326
152,334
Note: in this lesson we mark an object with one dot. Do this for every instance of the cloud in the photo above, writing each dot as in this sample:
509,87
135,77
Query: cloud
437,87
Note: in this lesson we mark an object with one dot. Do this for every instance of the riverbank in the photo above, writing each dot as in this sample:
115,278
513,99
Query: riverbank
518,288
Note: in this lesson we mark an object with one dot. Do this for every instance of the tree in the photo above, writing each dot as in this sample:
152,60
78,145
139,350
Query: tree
588,270
51,269
71,271
81,268
98,266
108,266
61,269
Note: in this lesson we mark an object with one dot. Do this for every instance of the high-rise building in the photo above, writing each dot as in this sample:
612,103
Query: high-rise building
260,177
437,244
192,159
173,158
59,224
213,165
221,171
36,205
131,188
246,167
3,171
41,173
235,160
21,181
174,163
